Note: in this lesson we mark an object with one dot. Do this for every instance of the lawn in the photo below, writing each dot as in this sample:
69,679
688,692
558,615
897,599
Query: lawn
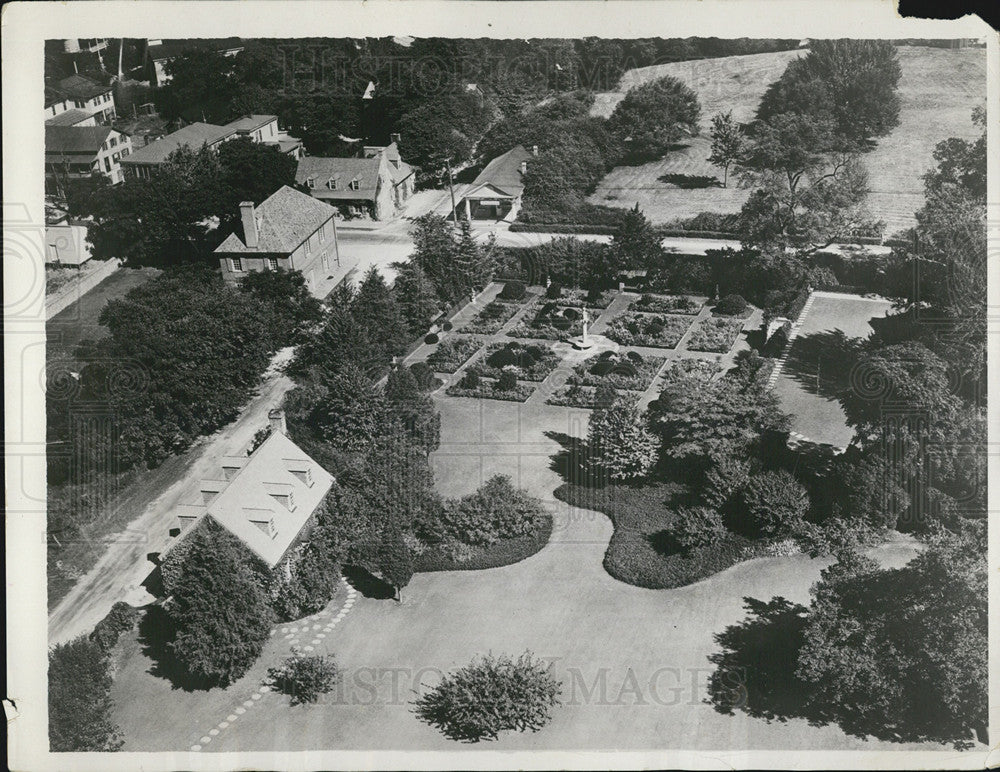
630,371
716,334
938,90
492,317
532,362
452,353
653,330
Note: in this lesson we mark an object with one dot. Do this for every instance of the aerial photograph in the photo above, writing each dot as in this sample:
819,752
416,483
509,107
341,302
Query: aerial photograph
413,393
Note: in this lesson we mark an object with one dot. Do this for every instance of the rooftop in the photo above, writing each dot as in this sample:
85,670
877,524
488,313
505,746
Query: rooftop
167,49
268,497
250,122
69,118
75,139
343,171
193,135
284,220
504,172
79,87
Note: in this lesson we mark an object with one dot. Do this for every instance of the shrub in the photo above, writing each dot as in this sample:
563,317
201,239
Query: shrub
716,334
507,381
621,444
431,338
470,380
697,527
119,620
554,290
776,503
489,696
305,678
571,313
725,479
504,357
452,354
731,305
513,290
447,326
423,375
79,698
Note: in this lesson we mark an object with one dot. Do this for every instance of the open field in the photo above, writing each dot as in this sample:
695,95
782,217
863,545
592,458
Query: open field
938,90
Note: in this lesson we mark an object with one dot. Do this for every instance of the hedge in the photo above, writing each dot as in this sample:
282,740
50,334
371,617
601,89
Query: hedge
503,553
118,621
566,228
488,390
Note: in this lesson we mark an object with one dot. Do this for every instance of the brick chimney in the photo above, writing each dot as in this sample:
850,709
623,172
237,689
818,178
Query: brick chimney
276,418
524,167
394,138
249,223
534,149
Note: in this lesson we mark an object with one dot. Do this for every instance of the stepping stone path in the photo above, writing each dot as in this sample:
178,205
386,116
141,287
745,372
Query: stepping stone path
292,636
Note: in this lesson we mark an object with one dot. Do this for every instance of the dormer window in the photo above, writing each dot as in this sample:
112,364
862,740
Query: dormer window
355,185
332,183
304,476
266,526
310,182
286,499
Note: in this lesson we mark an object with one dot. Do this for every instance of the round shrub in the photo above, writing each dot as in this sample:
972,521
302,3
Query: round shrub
571,313
561,323
507,381
554,290
602,367
698,527
776,503
535,352
624,368
731,305
447,327
503,357
431,338
547,309
606,355
635,356
513,290
305,678
655,326
489,696
470,380
423,375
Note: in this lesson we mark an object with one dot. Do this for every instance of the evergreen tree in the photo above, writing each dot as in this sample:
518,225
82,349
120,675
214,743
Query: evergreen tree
636,245
619,441
375,309
413,409
416,297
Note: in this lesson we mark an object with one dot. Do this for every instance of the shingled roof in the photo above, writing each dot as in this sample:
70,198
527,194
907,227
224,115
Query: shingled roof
69,118
250,122
168,49
503,172
284,220
343,170
75,139
193,136
79,87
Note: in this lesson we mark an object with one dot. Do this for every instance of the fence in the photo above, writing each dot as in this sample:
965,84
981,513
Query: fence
69,294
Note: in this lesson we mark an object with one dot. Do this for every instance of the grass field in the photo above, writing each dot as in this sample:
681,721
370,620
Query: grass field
938,90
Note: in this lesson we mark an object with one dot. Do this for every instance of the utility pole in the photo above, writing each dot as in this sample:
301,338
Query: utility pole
451,187
336,242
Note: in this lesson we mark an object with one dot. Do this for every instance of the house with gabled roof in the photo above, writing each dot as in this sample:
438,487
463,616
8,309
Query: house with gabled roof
73,152
496,193
267,498
78,92
145,161
290,231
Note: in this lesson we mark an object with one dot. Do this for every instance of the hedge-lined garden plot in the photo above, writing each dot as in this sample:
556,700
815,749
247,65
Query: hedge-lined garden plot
491,318
716,334
575,395
452,353
705,369
667,304
577,298
530,362
490,388
630,371
553,321
653,330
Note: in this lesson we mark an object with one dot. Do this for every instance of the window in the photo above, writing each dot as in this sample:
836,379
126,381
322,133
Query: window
332,183
79,104
116,157
272,264
107,97
308,246
236,264
124,152
107,164
310,182
112,141
322,233
355,185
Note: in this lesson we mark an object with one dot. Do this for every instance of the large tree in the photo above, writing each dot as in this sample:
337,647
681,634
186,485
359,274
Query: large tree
636,244
416,297
250,171
218,607
654,116
728,143
79,699
375,309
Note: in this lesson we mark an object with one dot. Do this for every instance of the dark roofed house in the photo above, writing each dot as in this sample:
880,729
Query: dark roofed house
496,193
264,129
78,92
74,117
145,160
290,231
78,151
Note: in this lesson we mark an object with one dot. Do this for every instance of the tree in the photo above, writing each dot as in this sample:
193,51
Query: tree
697,527
305,677
636,244
341,343
776,503
619,441
201,87
654,116
902,652
352,414
375,309
79,699
218,608
291,310
413,408
725,480
728,143
416,296
250,171
489,696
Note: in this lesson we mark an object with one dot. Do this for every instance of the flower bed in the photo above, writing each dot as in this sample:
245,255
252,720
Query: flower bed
503,553
629,371
704,369
491,318
452,353
554,321
531,362
487,389
667,304
717,333
577,298
654,330
575,395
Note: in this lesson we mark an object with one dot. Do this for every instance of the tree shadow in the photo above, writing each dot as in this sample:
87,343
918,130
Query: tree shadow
368,584
755,669
572,462
822,362
156,633
664,543
690,181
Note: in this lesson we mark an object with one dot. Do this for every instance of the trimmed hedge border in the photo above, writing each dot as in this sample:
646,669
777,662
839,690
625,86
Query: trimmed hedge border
488,390
503,553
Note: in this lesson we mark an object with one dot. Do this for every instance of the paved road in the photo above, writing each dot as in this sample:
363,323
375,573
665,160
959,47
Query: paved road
120,572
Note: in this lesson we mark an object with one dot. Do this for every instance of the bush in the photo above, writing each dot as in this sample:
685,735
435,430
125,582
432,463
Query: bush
507,381
431,338
305,678
732,305
119,620
513,290
79,698
697,527
776,503
447,326
503,357
470,380
452,354
489,696
554,290
423,375
502,553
